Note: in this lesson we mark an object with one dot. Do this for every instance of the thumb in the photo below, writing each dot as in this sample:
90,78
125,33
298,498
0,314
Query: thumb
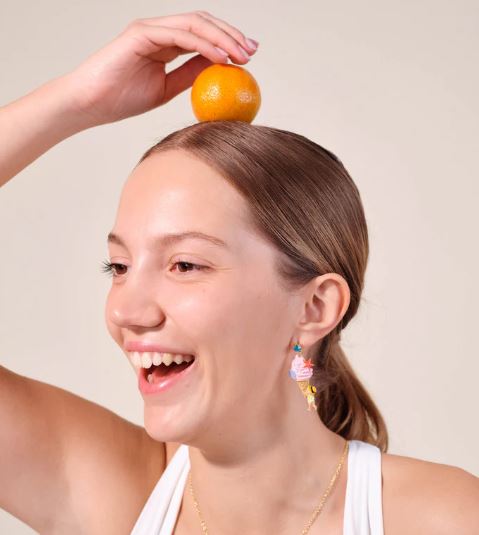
183,77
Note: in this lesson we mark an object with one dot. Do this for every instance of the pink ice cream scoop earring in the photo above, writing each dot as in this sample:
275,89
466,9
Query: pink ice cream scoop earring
301,371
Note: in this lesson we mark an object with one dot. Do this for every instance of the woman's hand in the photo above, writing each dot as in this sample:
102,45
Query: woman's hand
127,77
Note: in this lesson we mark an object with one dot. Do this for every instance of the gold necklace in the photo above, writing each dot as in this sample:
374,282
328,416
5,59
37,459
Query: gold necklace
316,511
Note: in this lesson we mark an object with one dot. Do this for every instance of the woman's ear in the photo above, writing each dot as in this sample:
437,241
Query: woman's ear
326,300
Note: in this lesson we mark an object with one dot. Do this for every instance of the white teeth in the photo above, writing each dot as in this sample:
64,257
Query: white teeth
146,360
149,378
136,359
167,358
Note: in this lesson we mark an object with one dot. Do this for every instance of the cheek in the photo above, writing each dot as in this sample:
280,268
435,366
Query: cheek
193,313
243,314
112,328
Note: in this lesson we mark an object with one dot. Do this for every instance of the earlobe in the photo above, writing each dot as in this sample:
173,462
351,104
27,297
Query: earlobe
326,302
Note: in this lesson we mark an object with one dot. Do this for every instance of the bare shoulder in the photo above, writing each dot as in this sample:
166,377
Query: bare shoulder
428,498
69,465
118,470
113,462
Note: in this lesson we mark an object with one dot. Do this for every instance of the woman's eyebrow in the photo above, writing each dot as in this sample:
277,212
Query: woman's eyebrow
168,239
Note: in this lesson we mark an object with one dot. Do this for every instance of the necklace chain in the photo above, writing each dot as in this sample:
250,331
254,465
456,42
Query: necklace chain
316,511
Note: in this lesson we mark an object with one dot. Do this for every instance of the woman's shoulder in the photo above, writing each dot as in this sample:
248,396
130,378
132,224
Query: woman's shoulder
428,498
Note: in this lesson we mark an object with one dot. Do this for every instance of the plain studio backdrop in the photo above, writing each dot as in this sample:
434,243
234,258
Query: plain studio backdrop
390,87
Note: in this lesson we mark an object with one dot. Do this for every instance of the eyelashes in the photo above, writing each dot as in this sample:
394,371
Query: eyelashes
110,268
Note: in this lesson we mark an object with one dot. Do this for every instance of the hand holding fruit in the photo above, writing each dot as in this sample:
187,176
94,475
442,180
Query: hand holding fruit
127,77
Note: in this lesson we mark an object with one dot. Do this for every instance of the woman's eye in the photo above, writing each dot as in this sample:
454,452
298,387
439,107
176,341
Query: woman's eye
116,270
186,265
110,268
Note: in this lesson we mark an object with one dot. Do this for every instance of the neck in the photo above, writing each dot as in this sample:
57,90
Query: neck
268,478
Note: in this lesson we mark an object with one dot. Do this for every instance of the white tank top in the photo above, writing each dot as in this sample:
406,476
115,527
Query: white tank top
362,511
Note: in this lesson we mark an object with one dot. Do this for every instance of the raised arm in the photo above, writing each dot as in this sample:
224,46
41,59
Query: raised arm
61,456
32,124
125,78
68,465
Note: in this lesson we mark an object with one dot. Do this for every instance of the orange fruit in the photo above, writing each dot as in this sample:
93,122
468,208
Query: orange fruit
225,92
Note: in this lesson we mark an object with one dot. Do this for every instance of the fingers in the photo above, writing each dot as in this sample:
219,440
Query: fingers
168,54
249,44
151,42
183,77
217,32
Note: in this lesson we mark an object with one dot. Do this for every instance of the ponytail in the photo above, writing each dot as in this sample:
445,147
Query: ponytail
344,404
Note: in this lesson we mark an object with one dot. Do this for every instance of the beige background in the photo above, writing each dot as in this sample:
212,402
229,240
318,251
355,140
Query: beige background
390,87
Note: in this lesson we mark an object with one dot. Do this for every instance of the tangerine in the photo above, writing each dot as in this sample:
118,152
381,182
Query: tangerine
224,92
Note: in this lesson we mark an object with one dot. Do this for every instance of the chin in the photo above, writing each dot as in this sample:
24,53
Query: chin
165,424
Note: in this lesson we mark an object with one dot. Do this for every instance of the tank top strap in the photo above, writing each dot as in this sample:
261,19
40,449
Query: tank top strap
160,512
363,513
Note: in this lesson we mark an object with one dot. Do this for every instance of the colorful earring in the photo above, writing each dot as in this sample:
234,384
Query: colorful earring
301,371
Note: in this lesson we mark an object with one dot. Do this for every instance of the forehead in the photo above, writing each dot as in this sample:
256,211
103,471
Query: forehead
171,191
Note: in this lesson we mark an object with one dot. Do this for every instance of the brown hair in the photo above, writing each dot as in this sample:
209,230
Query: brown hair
304,202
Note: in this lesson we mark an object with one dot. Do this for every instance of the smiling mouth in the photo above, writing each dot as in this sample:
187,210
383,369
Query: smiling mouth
154,366
154,373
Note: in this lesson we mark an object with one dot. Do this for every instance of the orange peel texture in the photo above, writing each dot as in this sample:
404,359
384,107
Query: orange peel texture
224,92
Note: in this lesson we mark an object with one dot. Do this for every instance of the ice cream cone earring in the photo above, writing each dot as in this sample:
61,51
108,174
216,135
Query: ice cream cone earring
301,371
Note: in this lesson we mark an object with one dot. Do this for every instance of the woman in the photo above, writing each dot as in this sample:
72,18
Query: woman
272,268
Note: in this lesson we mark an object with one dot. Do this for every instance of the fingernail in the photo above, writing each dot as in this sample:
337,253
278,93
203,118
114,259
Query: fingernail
243,52
221,51
252,43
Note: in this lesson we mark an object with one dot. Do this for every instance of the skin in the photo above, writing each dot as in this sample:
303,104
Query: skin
249,433
241,326
62,455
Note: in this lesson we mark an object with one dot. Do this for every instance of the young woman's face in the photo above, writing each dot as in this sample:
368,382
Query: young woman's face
230,313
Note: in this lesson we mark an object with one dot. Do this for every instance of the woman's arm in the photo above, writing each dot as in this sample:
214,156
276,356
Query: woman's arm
125,78
66,462
34,123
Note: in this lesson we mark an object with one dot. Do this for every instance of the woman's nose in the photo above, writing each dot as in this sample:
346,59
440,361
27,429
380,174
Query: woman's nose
133,307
